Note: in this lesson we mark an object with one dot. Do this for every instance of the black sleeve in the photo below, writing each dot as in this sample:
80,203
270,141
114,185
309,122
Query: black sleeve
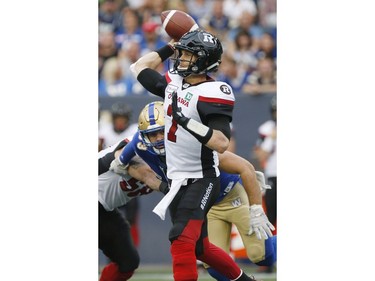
153,81
105,161
206,109
220,123
217,116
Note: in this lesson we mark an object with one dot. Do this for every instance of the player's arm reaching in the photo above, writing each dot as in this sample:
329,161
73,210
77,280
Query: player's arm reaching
234,164
120,164
138,169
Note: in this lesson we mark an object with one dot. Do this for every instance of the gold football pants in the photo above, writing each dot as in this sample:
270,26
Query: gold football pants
234,209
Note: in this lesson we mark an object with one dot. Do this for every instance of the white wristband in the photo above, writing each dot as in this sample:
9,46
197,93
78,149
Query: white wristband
197,127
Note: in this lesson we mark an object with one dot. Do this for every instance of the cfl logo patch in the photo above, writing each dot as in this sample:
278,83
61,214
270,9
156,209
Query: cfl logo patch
236,202
171,88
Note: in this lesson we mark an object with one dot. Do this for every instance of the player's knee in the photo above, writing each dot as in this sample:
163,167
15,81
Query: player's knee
268,260
175,231
270,252
178,231
255,253
129,264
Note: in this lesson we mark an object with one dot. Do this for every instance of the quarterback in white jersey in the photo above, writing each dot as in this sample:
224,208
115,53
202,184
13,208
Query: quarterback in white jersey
188,157
198,112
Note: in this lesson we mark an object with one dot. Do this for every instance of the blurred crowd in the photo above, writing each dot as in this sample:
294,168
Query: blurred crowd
247,29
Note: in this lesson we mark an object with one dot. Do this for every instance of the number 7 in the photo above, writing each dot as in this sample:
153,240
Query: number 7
171,135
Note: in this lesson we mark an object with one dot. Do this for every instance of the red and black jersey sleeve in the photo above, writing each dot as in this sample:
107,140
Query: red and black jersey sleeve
216,114
213,106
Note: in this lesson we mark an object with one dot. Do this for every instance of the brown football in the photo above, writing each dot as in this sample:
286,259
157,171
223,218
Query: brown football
176,23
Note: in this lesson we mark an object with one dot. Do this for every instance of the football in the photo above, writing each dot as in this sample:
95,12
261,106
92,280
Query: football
176,23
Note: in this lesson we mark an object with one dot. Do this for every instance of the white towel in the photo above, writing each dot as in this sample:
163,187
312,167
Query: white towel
162,206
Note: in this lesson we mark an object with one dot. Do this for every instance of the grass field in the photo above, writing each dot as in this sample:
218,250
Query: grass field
164,273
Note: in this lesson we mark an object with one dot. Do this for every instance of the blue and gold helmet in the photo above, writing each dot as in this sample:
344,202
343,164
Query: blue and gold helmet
151,121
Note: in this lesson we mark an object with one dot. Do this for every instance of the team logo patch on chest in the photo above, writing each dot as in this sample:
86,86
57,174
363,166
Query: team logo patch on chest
236,202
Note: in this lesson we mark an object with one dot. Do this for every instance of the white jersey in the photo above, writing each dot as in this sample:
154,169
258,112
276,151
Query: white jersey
186,156
110,136
269,145
115,190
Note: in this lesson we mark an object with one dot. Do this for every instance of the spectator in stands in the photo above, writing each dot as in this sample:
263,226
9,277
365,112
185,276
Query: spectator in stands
111,82
198,8
130,29
153,9
234,9
242,51
267,13
231,74
152,41
138,5
216,21
263,79
247,21
267,47
109,15
151,38
107,48
128,55
177,5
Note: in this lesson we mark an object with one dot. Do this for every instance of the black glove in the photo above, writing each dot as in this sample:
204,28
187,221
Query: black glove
176,112
163,187
201,132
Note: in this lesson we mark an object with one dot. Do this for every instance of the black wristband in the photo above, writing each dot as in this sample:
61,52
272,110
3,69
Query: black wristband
163,187
165,52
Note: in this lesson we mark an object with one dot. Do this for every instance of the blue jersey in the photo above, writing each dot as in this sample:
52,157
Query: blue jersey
136,147
227,182
157,164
